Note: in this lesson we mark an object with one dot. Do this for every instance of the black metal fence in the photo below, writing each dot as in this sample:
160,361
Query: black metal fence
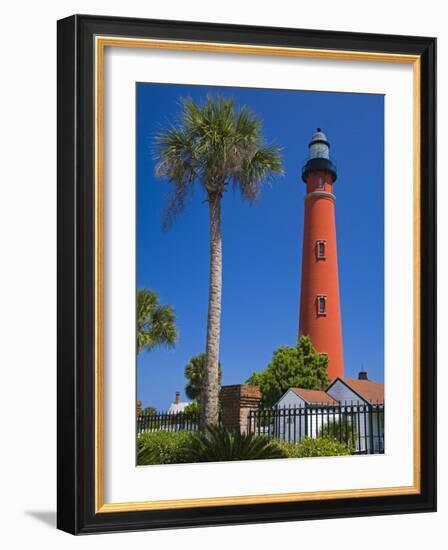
360,426
171,422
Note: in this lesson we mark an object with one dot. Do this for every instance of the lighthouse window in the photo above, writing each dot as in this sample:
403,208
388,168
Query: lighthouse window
320,249
320,182
321,305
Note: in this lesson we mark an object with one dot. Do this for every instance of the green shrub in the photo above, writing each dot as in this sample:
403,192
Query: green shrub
290,449
219,444
341,430
163,447
192,408
299,366
309,447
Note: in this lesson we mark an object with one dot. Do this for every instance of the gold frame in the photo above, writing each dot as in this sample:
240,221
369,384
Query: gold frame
101,42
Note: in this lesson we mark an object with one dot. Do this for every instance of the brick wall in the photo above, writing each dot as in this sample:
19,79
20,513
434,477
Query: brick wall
236,403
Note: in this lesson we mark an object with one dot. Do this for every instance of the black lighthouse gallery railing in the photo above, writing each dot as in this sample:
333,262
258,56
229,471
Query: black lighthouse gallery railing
359,426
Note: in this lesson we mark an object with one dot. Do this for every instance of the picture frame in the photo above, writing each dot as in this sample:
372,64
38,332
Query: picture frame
82,41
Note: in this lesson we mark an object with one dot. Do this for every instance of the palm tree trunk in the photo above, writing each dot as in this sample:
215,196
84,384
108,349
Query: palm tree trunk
210,390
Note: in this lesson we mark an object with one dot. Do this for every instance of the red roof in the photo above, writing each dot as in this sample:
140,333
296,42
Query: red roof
314,396
367,389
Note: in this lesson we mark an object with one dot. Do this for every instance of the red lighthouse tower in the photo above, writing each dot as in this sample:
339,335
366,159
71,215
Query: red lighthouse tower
320,313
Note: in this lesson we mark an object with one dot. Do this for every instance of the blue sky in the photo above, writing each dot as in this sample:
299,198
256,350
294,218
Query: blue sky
262,243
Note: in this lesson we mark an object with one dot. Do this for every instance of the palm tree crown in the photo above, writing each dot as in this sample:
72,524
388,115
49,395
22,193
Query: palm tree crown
195,373
156,324
214,145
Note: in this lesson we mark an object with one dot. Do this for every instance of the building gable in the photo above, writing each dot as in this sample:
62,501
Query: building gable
341,392
370,391
290,399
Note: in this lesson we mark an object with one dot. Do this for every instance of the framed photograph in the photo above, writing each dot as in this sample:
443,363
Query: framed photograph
246,274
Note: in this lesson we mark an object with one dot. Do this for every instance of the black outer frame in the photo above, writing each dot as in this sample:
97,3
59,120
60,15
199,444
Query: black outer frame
75,403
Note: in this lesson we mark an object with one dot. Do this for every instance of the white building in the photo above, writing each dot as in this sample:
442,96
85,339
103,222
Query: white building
178,406
356,390
351,407
369,421
299,413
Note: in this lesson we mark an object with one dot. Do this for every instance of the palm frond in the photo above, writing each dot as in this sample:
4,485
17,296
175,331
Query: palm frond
212,144
177,163
156,324
247,126
220,444
263,165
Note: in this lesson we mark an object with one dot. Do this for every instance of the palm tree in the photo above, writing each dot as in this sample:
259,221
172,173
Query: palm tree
214,145
194,373
156,324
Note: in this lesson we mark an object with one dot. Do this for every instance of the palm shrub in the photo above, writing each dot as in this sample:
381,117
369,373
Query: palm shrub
218,444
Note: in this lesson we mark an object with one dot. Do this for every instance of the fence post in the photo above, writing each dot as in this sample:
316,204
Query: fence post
372,442
237,402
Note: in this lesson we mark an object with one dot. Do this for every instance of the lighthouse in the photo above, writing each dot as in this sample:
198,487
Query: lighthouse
320,312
